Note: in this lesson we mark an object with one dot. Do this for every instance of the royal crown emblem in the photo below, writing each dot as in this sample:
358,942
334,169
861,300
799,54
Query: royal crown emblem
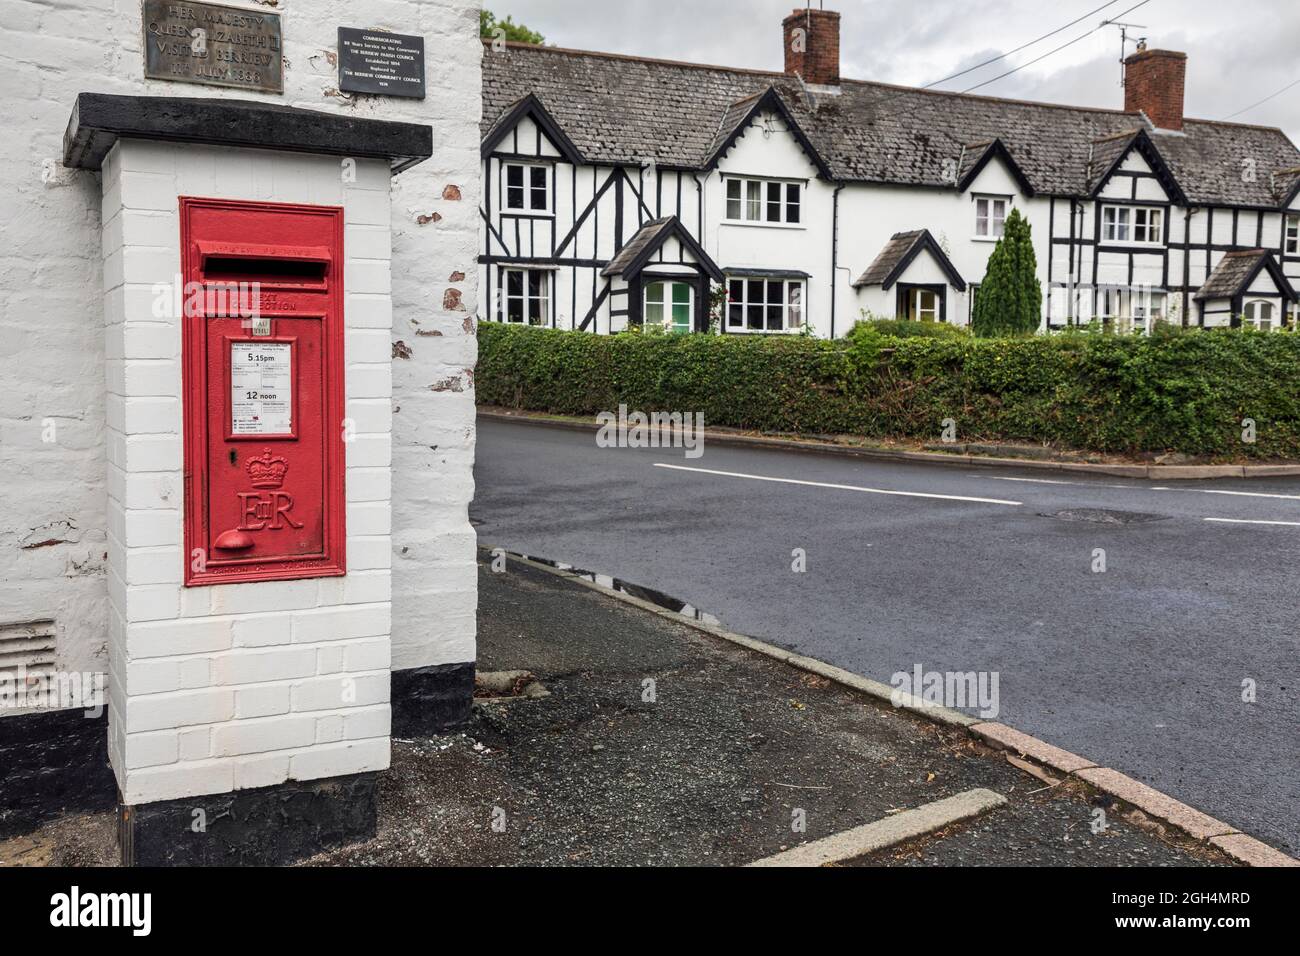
267,471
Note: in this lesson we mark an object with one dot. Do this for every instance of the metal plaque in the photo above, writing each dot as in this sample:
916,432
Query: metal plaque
213,44
371,61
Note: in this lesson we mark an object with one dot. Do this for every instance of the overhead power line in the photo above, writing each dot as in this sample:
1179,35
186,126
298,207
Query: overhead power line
1271,96
1063,46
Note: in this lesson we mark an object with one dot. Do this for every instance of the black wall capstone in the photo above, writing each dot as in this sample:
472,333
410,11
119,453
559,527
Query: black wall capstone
53,763
428,701
99,119
269,826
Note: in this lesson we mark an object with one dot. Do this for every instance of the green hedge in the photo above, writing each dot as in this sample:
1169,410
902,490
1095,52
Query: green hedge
1178,391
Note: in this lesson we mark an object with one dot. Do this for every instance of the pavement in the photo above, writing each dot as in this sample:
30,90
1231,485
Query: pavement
712,767
1177,665
657,744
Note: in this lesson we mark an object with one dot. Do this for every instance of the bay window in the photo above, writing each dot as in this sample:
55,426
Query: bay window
670,305
765,305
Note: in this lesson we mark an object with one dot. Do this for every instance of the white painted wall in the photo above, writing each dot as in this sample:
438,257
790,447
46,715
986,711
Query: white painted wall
53,514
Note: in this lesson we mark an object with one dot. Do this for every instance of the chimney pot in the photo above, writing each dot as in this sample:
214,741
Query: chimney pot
1154,83
812,46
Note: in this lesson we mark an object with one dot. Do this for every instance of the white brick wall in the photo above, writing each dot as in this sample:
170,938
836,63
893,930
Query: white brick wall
58,276
206,679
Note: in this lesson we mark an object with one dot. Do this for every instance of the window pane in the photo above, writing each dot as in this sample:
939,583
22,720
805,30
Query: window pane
754,317
681,293
654,292
754,201
515,197
775,318
735,315
681,318
733,189
654,313
792,202
773,202
981,225
795,320
537,176
736,291
733,208
539,198
754,290
535,283
514,176
514,282
776,292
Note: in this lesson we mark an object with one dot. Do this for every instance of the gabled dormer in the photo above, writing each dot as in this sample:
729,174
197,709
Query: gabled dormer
749,112
1131,153
976,157
528,128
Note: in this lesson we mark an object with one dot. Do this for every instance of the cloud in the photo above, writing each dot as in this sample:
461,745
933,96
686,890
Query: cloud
1238,54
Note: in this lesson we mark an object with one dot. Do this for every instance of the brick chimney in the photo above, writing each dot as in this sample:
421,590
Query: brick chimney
812,46
1153,83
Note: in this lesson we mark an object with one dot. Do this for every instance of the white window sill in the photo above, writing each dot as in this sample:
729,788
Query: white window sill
985,238
763,225
1133,244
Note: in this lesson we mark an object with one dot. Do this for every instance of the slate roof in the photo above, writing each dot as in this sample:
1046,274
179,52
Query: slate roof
628,110
897,255
634,255
645,237
1236,270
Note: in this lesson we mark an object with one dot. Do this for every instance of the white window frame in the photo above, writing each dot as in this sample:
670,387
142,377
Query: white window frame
914,308
543,296
1292,234
1130,307
754,202
793,305
529,205
989,226
1121,225
667,303
1250,314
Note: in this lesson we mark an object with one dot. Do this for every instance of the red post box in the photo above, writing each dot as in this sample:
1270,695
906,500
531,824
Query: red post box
263,391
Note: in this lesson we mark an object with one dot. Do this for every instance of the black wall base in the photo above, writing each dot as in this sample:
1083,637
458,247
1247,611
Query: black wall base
269,826
428,701
52,763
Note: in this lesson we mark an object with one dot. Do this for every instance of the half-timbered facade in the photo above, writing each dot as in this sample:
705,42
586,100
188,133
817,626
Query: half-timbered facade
621,191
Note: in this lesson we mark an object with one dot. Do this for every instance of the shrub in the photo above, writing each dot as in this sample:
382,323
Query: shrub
1180,391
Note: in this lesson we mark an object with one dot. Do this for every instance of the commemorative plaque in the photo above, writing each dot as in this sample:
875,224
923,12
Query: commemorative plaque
210,43
371,61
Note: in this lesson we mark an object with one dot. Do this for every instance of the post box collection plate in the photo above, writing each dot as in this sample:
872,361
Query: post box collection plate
210,43
263,385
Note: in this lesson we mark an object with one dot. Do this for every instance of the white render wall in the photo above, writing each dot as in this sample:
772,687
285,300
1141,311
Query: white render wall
214,689
53,513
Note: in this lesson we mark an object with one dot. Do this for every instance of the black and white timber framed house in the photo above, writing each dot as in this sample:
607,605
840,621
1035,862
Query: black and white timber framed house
621,191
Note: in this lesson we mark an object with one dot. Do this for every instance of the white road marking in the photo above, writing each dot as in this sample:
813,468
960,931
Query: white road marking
1247,494
822,484
1028,481
1285,524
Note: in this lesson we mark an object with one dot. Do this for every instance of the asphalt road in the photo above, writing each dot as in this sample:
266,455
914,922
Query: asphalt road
1140,667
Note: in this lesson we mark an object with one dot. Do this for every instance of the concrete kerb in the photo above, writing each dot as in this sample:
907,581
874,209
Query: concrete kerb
963,460
1164,809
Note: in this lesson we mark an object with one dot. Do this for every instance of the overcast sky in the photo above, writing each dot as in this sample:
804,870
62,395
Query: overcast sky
1240,51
